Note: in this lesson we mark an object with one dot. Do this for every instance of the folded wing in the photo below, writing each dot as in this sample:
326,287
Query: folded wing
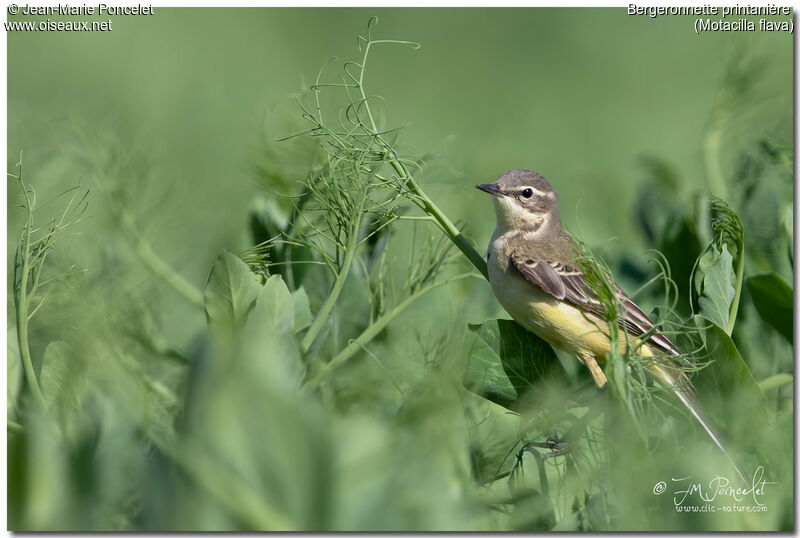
570,284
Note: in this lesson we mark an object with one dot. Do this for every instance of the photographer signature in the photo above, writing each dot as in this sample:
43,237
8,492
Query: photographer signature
716,488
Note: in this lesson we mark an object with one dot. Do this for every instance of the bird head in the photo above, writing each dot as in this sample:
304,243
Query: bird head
524,201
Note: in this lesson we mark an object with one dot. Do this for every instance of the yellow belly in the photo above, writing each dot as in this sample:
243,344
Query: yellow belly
558,323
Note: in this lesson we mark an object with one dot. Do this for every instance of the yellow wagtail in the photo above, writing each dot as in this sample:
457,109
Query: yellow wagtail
535,276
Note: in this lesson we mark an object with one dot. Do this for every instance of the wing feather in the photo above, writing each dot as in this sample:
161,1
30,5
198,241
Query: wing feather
570,284
543,275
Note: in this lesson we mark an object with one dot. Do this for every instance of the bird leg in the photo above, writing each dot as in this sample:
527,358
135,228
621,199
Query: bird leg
556,445
597,373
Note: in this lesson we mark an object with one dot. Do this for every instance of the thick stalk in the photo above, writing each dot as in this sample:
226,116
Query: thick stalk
444,223
330,300
25,354
21,302
22,339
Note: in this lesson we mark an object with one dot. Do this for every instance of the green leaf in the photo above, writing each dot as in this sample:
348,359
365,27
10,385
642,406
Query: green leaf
267,341
726,226
302,310
262,451
230,293
728,392
508,361
773,297
718,290
705,261
485,374
274,306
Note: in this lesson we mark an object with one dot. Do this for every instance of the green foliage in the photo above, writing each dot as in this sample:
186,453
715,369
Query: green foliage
508,361
729,393
718,291
721,281
326,378
302,311
230,293
772,297
259,456
485,374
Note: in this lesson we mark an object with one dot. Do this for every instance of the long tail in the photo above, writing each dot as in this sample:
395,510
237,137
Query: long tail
675,380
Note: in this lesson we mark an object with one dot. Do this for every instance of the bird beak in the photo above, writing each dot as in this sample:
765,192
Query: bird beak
491,188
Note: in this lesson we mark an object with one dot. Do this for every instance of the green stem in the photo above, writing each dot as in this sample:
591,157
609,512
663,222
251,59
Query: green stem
372,331
21,299
330,300
441,219
739,278
159,267
428,206
24,351
775,381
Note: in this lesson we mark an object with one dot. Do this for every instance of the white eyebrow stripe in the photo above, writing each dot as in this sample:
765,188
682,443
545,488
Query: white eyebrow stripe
537,192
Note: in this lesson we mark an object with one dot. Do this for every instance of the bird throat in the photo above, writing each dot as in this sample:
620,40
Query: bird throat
513,218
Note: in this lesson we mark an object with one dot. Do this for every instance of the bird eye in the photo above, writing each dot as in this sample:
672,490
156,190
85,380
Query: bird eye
527,192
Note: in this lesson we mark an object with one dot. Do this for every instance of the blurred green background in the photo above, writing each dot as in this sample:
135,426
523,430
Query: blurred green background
174,109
